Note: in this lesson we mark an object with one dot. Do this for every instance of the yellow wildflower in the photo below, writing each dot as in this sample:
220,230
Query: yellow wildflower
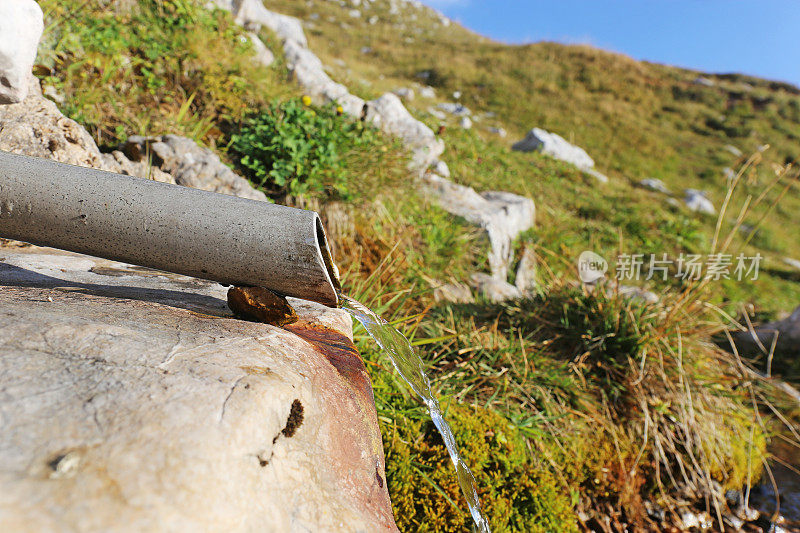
306,100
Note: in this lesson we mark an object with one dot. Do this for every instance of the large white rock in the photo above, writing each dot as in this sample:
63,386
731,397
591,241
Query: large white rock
503,215
389,114
310,74
555,146
263,54
21,26
131,400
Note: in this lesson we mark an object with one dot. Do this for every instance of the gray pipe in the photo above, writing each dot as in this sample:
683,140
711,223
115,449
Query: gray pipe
187,231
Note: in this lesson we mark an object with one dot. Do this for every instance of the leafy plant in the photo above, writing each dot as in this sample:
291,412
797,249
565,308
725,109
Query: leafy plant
294,148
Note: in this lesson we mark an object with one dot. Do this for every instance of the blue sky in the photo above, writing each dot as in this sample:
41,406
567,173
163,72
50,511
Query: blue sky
758,37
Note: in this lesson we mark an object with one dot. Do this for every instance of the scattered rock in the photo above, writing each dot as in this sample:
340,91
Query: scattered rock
263,54
405,93
705,82
455,292
373,20
427,92
493,289
261,305
555,146
502,133
354,13
21,26
132,400
502,214
654,184
465,123
389,114
456,94
698,202
440,168
599,176
525,279
794,263
733,150
638,294
456,109
141,169
190,164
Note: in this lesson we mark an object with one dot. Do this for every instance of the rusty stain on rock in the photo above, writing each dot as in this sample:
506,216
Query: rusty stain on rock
340,352
261,305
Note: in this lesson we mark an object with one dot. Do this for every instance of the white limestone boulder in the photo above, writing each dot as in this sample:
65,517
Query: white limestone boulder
131,400
21,26
555,146
389,114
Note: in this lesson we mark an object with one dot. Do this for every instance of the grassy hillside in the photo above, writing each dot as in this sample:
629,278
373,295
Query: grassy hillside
568,401
635,119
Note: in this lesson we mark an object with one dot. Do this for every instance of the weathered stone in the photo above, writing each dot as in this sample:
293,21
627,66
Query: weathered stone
493,289
263,54
405,93
555,146
500,132
465,123
698,202
131,400
261,305
190,164
35,127
502,214
389,114
427,92
794,263
21,26
456,109
140,169
599,176
525,278
654,184
455,292
638,294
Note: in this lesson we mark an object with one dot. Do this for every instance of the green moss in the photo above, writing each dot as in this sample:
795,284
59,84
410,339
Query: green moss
517,494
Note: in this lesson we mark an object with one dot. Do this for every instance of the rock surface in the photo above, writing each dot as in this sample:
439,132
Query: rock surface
35,127
503,215
389,114
555,146
131,400
189,164
654,184
698,202
493,289
21,26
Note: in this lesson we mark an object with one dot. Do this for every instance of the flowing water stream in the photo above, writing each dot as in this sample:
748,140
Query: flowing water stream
409,365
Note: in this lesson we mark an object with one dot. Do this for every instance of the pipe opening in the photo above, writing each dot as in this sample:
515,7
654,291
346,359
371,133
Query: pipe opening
322,241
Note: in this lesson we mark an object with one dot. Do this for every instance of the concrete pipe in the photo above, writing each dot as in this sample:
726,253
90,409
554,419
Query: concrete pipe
168,227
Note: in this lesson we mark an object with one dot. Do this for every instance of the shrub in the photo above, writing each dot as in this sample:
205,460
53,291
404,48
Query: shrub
293,148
